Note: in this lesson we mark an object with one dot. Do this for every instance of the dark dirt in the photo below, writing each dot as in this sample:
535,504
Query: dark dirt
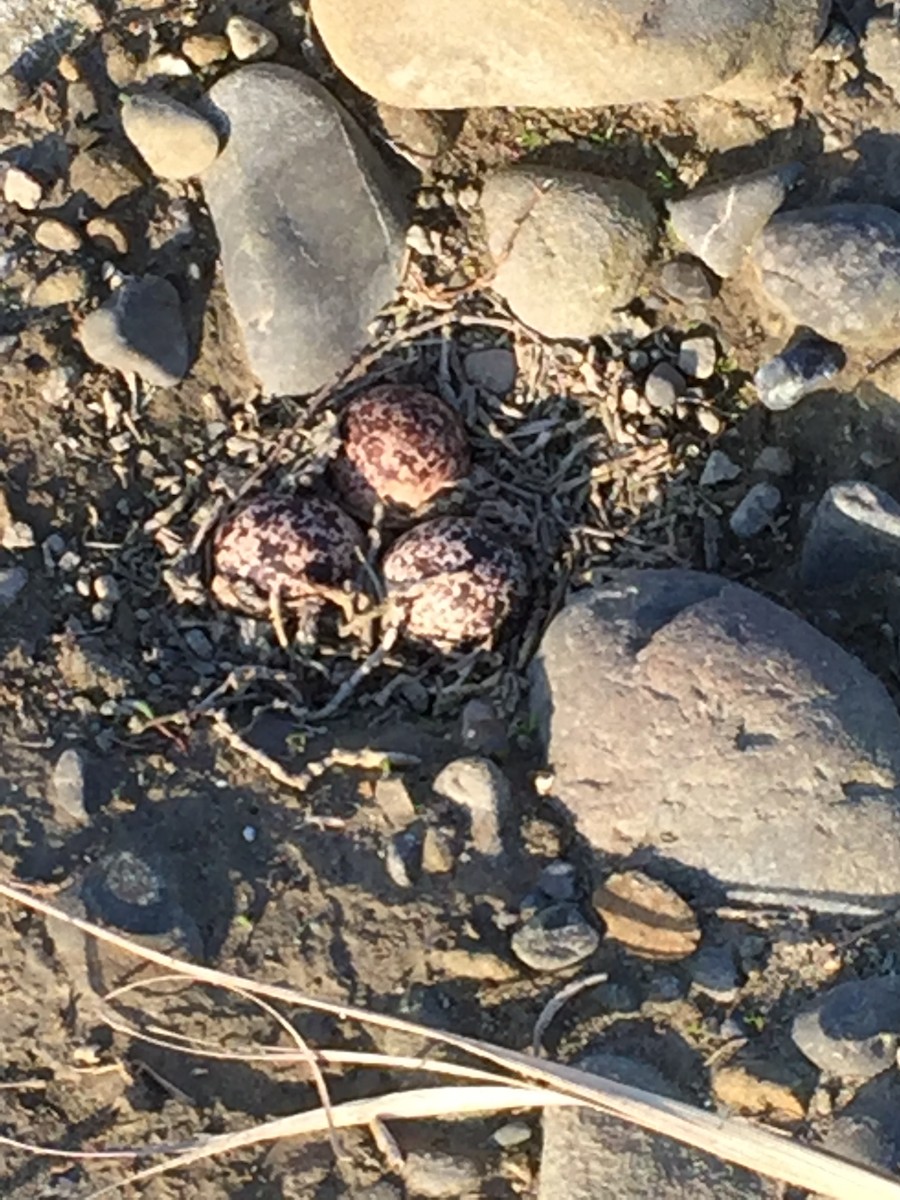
308,901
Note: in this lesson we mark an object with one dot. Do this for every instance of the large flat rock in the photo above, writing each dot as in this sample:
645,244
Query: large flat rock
689,716
564,53
309,222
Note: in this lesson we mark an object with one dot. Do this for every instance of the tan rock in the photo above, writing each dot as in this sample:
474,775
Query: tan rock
66,286
69,69
249,40
648,917
22,189
98,174
394,801
437,852
174,141
204,49
107,234
744,1091
57,236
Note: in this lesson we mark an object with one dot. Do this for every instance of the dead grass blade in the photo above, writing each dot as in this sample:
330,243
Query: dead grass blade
735,1141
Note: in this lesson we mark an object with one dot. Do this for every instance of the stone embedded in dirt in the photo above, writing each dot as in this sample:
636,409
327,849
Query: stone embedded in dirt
66,792
435,1176
855,534
718,468
98,174
715,973
835,269
419,136
438,857
493,368
588,1154
558,881
805,365
204,49
663,386
867,1130
745,1091
882,51
12,582
774,460
482,729
697,357
308,222
21,189
140,330
403,858
109,236
57,236
756,511
174,141
563,53
686,279
688,713
554,938
646,916
512,1134
853,1029
718,223
249,40
479,786
394,801
569,247
68,285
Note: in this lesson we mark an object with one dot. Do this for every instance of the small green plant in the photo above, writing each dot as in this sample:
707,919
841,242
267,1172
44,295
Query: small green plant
296,741
603,136
666,179
532,139
755,1021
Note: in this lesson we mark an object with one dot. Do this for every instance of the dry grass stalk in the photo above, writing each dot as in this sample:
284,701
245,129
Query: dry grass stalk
529,1083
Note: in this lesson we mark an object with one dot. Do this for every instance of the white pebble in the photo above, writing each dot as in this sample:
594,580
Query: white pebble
248,833
250,40
22,189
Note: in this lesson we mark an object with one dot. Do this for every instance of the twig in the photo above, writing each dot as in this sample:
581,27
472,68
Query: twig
369,664
555,1005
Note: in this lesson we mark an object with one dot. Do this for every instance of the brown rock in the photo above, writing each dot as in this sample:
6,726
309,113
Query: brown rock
66,286
739,1088
393,799
108,235
57,236
101,177
437,852
646,916
204,49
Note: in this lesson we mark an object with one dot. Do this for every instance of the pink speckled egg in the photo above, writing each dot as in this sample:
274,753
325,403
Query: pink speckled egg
452,583
400,446
292,548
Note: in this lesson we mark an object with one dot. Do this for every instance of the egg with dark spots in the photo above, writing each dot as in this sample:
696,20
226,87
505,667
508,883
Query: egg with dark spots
400,447
284,552
452,583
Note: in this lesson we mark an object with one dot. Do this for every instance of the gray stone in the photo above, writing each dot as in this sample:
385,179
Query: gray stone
140,330
483,730
774,460
718,468
805,365
686,279
67,788
867,1130
512,1134
714,972
756,511
855,533
554,938
569,247
563,53
853,1029
587,1154
558,880
403,858
12,582
174,141
718,223
493,368
249,40
663,386
31,28
697,357
309,224
479,786
433,1176
684,712
835,269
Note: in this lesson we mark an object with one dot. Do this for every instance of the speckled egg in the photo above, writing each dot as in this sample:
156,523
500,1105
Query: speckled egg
293,548
400,446
452,583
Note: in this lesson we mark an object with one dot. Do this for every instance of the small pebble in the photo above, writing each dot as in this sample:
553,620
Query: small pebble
774,460
709,421
493,369
714,972
22,189
175,141
106,588
199,644
558,881
756,511
67,788
687,280
65,286
718,469
554,938
107,234
249,834
807,363
647,916
250,40
140,330
434,1176
438,857
393,799
68,69
483,730
853,1029
12,582
479,786
697,357
403,858
57,236
204,49
663,386
512,1134
665,989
